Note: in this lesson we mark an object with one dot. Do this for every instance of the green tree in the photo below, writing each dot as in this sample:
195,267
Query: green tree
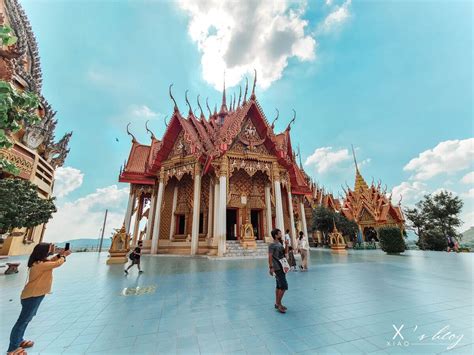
434,219
346,226
17,108
20,205
391,240
324,218
6,36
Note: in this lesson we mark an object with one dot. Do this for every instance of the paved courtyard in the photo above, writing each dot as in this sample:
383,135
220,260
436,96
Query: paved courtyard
348,304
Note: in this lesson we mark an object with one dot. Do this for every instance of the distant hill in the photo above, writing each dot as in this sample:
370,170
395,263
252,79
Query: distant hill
86,243
468,237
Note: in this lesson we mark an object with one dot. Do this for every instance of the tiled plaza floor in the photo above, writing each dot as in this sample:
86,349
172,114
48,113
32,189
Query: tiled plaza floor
346,304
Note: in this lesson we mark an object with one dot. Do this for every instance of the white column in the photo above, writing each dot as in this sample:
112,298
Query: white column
292,219
268,205
156,227
305,228
210,210
216,230
138,218
173,211
130,206
222,214
196,213
279,207
151,214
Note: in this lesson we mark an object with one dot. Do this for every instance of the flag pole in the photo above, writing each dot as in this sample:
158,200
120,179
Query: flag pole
103,230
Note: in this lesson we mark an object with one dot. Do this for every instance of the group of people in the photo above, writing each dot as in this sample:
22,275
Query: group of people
281,260
301,248
42,261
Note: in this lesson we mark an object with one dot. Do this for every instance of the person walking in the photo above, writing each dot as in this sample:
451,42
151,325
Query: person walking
39,283
135,256
276,261
303,250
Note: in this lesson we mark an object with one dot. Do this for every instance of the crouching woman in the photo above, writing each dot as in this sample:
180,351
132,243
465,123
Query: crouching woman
40,279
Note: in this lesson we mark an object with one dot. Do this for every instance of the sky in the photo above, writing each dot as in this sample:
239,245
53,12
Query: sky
393,78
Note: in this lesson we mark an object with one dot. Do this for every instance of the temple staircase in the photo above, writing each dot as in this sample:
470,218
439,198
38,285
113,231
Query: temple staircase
235,250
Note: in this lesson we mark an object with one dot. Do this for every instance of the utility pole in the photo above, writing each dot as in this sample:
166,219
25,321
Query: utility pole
103,230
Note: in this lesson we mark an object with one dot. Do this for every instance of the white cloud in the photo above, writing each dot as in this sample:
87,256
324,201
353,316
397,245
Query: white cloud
469,194
137,115
411,192
142,111
336,18
83,217
236,39
326,159
447,157
67,179
468,178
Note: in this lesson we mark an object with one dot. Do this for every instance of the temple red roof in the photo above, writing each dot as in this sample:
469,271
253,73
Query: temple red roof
209,138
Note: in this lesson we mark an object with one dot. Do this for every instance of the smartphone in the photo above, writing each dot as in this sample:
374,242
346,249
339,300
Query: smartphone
67,246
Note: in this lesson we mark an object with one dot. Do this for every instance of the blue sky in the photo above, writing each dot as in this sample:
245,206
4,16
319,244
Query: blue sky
394,78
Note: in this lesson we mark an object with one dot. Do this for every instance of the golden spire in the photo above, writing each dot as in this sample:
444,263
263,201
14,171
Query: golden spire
334,228
360,184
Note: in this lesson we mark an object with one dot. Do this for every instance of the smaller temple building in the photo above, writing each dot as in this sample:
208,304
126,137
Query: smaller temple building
369,206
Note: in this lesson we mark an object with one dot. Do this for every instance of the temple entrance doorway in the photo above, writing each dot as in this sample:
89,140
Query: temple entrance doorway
370,234
231,224
255,219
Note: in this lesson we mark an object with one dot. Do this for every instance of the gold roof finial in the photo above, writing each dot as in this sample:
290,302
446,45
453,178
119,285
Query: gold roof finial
148,130
224,99
246,87
360,183
134,140
354,156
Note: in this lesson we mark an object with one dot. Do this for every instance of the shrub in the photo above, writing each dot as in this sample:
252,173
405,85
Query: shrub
432,239
391,240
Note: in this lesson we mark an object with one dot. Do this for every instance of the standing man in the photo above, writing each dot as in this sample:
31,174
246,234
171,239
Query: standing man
276,251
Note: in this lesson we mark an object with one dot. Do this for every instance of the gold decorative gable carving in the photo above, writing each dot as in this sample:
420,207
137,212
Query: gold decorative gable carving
180,147
179,171
249,166
365,216
249,137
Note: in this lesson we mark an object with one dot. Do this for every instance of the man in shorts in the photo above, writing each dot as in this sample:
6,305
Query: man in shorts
135,258
276,251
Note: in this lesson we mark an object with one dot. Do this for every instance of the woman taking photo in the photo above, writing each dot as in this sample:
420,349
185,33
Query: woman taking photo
40,278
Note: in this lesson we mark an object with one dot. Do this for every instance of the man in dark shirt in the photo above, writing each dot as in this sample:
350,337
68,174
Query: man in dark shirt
135,257
276,251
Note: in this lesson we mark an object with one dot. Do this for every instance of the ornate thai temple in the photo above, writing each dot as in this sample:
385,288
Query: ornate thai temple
371,208
214,179
368,206
35,152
